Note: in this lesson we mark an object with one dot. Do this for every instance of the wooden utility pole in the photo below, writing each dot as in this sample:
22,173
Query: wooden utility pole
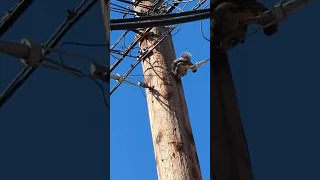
105,5
174,146
229,154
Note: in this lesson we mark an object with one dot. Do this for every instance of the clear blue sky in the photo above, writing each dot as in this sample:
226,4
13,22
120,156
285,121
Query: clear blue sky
55,127
132,155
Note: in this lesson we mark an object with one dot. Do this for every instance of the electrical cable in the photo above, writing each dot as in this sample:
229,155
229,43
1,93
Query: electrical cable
158,17
121,12
58,35
103,92
135,42
86,45
176,31
141,58
14,15
126,9
126,13
199,4
182,9
202,32
155,23
77,56
135,4
168,11
78,44
201,28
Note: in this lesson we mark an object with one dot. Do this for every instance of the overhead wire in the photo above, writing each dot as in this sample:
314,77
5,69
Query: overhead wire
132,6
135,23
14,14
155,3
140,37
49,62
120,11
135,3
85,45
201,27
164,35
158,17
182,10
57,36
124,9
200,3
79,74
126,32
84,58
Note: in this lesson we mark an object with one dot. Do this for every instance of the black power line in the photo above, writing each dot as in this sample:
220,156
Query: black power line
13,15
163,20
198,5
131,46
51,43
158,17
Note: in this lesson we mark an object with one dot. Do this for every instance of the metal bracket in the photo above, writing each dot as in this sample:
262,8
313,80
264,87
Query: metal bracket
35,54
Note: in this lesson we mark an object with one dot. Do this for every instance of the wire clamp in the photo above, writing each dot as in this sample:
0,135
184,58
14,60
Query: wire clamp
117,77
35,54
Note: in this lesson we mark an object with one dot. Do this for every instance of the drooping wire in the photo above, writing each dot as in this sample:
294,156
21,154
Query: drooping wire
201,28
172,34
83,74
102,90
202,32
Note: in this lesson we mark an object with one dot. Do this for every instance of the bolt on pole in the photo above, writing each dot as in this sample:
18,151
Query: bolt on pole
174,146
